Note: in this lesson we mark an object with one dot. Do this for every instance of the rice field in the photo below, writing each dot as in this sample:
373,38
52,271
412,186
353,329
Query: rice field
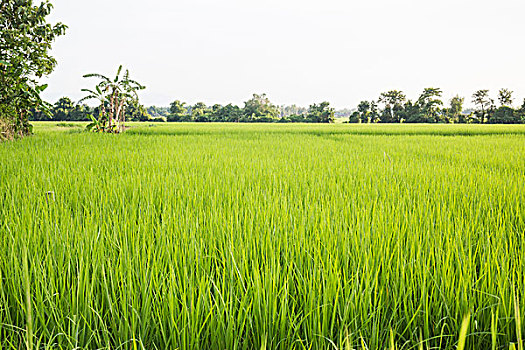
227,236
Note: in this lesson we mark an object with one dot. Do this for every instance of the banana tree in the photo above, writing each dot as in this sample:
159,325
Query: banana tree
114,94
97,94
128,94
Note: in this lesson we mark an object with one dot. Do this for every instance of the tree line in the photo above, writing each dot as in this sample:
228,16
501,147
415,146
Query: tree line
256,109
66,109
393,107
390,107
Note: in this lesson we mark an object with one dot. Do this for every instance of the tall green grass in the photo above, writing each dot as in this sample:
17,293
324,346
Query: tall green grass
263,236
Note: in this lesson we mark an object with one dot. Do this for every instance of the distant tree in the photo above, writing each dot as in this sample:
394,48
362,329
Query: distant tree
37,115
228,113
177,107
177,111
343,113
373,117
199,112
455,111
137,112
80,112
297,118
483,101
505,97
366,113
355,117
363,111
216,113
259,107
430,104
160,113
25,41
62,109
521,113
412,113
293,110
320,113
232,113
393,106
504,115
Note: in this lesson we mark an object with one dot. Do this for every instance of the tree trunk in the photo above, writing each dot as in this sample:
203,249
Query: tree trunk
123,118
112,108
102,112
119,116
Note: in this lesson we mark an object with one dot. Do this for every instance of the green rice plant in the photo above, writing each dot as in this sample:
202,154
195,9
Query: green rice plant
463,332
518,321
198,236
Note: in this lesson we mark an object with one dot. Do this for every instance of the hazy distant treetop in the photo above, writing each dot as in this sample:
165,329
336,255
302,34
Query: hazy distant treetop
260,106
505,97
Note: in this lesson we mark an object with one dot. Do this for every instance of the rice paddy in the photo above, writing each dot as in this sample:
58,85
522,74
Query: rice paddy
210,236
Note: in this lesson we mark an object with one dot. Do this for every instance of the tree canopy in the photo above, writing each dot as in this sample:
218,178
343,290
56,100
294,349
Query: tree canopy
429,108
114,96
25,41
391,107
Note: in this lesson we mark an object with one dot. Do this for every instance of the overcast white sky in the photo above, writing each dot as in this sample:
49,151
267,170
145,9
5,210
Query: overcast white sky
296,51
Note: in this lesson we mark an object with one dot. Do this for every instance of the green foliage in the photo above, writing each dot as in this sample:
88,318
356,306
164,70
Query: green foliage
158,112
258,108
413,113
63,108
454,114
293,110
481,99
426,109
366,113
429,109
115,96
136,112
356,117
521,113
228,113
200,112
393,106
430,105
177,111
505,97
504,115
320,113
263,236
25,41
96,125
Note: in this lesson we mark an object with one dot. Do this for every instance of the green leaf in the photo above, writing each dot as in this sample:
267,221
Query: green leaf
463,332
41,88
